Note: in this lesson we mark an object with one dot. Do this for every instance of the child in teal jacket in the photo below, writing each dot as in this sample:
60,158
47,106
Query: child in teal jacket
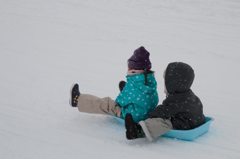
138,97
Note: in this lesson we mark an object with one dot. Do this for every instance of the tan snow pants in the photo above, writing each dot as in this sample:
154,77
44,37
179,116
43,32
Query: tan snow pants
91,104
154,127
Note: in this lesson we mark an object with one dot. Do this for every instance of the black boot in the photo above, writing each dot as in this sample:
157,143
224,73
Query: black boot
74,94
121,85
133,130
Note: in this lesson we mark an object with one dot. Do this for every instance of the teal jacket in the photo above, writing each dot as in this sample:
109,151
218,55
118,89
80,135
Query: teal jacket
137,98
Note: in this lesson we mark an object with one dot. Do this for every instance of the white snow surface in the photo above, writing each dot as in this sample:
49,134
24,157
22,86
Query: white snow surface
46,45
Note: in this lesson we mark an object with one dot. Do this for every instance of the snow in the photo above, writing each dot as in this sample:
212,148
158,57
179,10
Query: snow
45,46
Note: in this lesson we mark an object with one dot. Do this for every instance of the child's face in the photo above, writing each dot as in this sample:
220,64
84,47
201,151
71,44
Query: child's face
165,89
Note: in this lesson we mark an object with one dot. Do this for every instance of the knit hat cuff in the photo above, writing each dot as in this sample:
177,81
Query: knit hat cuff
139,65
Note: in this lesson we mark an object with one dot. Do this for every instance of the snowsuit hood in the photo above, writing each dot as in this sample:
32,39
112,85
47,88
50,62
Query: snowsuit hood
178,77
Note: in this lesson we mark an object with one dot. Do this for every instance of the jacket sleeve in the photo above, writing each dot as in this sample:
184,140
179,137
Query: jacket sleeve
167,111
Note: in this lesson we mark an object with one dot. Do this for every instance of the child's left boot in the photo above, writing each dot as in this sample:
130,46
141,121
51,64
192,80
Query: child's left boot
74,94
133,130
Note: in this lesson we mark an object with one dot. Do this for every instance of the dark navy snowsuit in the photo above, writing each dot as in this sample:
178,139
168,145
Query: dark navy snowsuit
181,105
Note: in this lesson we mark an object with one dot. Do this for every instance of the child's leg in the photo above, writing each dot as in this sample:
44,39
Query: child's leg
91,104
154,127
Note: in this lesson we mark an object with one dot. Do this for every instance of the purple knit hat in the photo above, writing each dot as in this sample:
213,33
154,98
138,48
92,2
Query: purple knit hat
140,59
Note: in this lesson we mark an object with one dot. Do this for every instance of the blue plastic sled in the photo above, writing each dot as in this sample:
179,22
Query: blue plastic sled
189,135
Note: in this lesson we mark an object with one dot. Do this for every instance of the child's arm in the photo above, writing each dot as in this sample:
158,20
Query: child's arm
167,111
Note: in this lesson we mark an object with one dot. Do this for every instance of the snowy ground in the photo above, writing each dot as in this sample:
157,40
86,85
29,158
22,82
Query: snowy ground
45,46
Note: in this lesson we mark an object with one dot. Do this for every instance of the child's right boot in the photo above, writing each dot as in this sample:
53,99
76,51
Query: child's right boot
133,130
74,94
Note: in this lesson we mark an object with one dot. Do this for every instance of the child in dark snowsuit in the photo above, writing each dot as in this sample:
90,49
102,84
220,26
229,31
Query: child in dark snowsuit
181,110
138,97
